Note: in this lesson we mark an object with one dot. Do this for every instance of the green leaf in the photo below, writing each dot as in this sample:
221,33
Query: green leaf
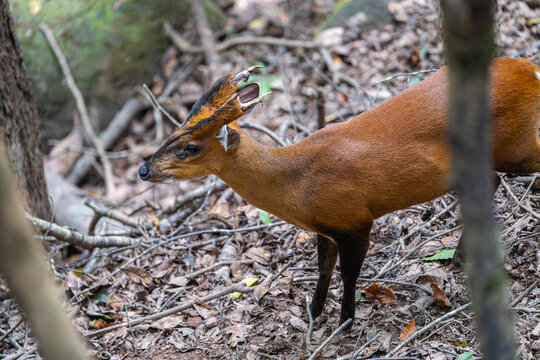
466,356
446,254
265,218
97,314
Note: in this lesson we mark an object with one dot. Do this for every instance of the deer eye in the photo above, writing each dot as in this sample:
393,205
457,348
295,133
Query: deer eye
192,149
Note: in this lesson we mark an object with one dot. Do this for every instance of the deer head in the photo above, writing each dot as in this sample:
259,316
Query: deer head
197,147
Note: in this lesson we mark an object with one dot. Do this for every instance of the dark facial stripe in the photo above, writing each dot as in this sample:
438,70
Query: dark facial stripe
222,111
208,96
165,147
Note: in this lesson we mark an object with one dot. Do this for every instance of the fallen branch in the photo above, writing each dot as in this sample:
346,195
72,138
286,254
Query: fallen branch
103,211
239,287
76,238
428,327
186,47
192,195
169,240
81,107
117,126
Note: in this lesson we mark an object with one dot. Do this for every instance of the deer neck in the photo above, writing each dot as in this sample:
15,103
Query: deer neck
264,176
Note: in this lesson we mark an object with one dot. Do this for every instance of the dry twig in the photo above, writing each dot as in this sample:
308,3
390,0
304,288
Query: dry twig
311,322
207,38
215,265
520,203
392,264
355,353
325,342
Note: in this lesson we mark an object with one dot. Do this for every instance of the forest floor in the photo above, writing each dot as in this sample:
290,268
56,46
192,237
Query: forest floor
198,254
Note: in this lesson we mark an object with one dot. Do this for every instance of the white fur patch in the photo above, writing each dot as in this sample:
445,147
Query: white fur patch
538,75
223,136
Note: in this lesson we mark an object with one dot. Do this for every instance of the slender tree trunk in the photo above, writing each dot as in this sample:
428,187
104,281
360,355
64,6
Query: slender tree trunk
469,36
19,120
22,263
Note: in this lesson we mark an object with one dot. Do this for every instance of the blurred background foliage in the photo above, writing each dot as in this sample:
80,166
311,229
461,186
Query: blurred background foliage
111,46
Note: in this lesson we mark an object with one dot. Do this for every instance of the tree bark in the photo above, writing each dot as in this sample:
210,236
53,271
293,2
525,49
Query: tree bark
22,263
19,120
469,36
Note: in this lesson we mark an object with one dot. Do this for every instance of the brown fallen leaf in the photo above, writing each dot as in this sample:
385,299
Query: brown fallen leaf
115,302
74,282
138,275
258,254
167,323
440,297
408,331
262,288
385,296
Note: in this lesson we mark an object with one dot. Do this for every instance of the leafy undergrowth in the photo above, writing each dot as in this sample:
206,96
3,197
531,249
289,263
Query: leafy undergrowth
269,320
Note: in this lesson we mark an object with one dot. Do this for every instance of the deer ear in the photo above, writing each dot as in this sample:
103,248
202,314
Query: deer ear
233,140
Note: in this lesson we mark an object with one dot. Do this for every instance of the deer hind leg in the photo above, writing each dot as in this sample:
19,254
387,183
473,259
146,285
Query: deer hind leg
327,254
352,251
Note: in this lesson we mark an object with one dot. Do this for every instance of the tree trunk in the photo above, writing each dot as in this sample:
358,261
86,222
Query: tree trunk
469,36
19,120
22,263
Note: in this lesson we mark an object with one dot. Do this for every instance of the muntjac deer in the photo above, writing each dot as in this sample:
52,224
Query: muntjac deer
336,181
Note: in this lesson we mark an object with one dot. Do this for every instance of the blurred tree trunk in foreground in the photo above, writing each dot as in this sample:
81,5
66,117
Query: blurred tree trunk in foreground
23,265
469,36
19,121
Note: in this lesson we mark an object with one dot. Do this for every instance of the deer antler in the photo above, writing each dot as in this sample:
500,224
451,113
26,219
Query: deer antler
243,76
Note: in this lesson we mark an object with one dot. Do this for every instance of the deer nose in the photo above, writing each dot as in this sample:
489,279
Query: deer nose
144,172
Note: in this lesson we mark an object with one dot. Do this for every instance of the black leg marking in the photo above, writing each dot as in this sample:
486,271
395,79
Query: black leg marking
352,251
327,255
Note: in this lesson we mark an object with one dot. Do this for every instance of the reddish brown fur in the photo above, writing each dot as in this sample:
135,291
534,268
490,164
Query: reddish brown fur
336,181
387,158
